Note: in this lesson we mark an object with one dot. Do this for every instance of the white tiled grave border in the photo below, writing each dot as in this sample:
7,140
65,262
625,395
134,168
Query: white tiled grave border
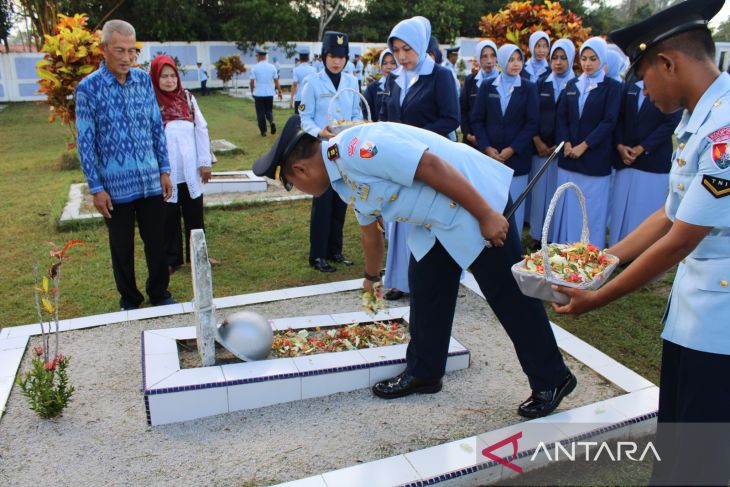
172,394
243,182
631,414
72,209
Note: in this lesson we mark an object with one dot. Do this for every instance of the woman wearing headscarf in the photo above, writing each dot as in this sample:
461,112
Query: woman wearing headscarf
188,147
486,56
375,91
587,116
642,161
549,89
419,93
538,64
616,64
328,210
504,120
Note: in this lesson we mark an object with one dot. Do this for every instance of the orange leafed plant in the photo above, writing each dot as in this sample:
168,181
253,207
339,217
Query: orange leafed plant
228,67
516,21
71,54
371,57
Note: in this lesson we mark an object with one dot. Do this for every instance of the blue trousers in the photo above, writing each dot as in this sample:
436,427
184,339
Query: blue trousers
434,282
325,225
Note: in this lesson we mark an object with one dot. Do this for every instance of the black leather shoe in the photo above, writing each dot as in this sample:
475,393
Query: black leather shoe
321,265
542,403
273,128
394,294
340,259
405,385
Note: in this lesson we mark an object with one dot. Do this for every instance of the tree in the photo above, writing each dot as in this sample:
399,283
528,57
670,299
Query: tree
722,33
6,21
254,22
42,15
327,9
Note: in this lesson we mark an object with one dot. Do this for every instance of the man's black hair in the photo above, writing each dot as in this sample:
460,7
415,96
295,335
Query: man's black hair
305,148
695,43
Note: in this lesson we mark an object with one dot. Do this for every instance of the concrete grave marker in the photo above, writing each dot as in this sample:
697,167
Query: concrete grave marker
203,297
221,146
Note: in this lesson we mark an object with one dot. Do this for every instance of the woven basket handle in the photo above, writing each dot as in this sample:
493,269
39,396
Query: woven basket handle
584,234
339,92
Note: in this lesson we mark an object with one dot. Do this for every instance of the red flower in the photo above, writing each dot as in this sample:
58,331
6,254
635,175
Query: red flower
50,365
38,351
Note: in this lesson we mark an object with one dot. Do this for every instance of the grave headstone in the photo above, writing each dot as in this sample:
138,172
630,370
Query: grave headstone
222,145
203,297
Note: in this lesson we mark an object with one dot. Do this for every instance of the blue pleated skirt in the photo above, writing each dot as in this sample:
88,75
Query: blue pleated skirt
568,218
636,195
541,195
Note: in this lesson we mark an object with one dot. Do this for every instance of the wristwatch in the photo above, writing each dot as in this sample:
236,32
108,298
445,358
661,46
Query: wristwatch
370,278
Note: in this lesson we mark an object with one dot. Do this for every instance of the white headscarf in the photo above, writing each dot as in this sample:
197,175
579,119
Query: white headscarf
505,83
416,32
533,66
481,74
586,82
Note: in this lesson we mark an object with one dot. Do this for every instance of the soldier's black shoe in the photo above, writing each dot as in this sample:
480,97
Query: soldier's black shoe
321,265
542,403
273,128
405,385
340,259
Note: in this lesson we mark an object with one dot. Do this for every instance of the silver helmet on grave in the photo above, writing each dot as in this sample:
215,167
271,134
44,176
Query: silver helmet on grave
246,335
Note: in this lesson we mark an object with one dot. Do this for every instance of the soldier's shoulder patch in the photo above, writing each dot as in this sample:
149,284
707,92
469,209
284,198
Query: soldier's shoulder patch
333,152
720,135
721,155
717,187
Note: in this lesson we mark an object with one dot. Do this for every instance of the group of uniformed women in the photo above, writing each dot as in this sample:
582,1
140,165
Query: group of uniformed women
516,110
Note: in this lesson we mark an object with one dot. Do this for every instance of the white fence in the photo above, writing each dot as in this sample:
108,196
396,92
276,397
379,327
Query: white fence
18,78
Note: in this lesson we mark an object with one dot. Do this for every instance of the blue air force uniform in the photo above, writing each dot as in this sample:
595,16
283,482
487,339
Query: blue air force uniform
328,211
694,395
377,179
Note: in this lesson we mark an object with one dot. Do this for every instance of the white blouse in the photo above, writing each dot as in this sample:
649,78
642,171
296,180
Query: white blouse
188,147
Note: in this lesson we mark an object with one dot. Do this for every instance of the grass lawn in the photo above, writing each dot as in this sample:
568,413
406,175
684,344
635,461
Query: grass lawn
260,247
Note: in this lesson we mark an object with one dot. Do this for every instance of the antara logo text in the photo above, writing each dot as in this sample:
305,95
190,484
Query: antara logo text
590,451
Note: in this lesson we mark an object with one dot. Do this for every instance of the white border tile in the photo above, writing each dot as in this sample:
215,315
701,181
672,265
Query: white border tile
388,471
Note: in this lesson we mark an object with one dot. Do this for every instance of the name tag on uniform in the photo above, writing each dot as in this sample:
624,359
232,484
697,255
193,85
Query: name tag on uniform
326,95
633,93
494,95
571,93
546,94
474,94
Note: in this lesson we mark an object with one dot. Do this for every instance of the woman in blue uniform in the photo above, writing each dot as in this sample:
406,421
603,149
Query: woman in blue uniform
423,94
549,89
587,115
538,64
486,55
328,211
375,91
643,159
504,119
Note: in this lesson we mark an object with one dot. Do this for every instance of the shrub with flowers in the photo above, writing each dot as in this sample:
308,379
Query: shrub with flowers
516,21
46,385
227,68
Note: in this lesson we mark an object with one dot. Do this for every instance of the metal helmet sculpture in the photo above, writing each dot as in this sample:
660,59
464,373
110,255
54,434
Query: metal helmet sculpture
247,335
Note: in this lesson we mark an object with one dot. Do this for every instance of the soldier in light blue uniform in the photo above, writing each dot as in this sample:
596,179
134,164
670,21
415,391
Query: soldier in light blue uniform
264,81
318,112
300,75
674,53
454,197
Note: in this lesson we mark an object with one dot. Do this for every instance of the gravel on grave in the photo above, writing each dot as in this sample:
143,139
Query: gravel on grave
103,437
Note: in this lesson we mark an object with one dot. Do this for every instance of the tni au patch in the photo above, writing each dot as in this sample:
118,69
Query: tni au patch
721,155
717,187
333,153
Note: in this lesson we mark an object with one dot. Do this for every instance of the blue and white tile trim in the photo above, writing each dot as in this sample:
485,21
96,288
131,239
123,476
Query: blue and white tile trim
256,384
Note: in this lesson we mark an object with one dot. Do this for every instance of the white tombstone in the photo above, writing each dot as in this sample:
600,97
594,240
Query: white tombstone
203,297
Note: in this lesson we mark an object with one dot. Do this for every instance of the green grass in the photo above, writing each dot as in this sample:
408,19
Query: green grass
260,247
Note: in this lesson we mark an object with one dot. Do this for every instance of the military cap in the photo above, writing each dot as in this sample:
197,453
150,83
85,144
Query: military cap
451,50
335,43
260,52
303,50
267,164
635,40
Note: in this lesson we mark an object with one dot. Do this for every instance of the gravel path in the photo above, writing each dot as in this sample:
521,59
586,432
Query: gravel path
103,437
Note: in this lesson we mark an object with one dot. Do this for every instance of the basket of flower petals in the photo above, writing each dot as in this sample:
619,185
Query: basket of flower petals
578,265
